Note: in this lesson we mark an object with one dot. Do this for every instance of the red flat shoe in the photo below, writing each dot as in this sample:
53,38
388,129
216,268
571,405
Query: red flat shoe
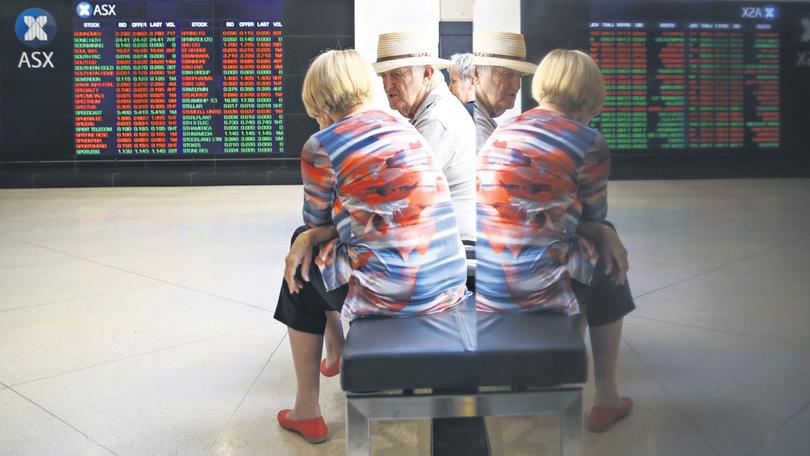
313,430
602,418
330,371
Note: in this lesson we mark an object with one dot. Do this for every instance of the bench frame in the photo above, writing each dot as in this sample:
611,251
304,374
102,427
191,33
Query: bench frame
566,401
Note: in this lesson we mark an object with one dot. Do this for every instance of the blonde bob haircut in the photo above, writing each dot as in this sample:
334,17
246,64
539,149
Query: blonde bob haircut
336,82
570,80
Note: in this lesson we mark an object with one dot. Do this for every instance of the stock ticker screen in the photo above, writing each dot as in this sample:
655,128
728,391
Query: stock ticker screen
197,78
678,75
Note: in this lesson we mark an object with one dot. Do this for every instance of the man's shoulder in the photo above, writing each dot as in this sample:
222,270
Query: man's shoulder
450,112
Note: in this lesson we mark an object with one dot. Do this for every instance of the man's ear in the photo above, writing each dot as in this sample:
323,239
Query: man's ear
428,72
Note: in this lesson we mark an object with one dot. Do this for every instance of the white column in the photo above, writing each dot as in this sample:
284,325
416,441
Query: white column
373,17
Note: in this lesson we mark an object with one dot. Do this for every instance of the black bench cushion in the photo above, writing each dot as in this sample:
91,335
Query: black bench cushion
461,349
429,351
531,349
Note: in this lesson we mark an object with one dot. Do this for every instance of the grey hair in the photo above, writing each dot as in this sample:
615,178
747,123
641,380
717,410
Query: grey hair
419,70
463,65
485,70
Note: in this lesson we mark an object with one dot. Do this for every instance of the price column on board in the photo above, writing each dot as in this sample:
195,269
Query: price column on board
762,88
94,90
198,95
667,87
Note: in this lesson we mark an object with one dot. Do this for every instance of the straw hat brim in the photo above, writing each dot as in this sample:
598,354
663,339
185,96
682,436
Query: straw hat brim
388,65
524,68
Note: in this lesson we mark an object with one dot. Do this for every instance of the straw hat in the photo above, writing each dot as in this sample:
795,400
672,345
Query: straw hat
502,49
402,49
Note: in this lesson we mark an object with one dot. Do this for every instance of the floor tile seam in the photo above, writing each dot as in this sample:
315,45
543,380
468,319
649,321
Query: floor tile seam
715,269
798,412
677,282
774,246
126,238
56,417
38,262
27,265
78,298
160,280
141,355
668,264
720,331
247,393
683,411
777,246
235,301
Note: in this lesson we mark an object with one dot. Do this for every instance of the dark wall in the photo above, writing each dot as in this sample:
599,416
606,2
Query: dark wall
36,118
551,24
454,38
307,34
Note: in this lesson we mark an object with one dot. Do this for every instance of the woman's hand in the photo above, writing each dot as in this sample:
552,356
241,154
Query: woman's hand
300,254
610,247
615,256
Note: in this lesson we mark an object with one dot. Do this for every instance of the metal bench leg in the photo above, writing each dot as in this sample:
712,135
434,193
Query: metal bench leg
357,432
571,428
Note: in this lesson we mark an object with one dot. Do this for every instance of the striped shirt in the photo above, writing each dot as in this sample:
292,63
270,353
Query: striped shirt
398,246
538,177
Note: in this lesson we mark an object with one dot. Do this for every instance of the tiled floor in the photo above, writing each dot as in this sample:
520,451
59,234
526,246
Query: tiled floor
139,322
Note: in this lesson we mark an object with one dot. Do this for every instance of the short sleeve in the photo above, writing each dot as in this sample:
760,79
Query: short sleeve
593,178
319,184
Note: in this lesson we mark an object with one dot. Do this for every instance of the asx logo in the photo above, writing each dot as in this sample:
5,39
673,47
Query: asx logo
36,59
765,12
35,27
85,10
806,34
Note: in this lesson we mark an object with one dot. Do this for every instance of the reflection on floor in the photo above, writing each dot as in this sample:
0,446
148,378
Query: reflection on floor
139,321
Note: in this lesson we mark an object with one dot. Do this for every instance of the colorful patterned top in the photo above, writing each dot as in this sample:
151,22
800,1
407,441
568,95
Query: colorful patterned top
538,177
398,245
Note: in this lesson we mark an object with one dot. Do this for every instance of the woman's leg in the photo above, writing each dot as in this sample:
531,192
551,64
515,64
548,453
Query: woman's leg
306,351
605,340
333,337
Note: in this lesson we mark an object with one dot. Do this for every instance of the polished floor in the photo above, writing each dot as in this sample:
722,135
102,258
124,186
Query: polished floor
138,321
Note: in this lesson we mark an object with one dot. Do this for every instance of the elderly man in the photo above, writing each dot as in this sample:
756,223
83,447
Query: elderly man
415,87
500,61
462,75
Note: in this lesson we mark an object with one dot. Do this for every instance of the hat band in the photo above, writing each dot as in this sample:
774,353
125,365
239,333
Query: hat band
402,56
501,56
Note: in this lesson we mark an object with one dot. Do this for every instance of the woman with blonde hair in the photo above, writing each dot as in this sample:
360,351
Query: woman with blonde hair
380,236
543,239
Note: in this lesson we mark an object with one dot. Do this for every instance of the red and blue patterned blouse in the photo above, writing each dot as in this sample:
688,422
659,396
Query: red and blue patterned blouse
538,177
398,246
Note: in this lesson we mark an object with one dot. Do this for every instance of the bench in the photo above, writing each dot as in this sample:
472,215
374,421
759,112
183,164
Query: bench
538,358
